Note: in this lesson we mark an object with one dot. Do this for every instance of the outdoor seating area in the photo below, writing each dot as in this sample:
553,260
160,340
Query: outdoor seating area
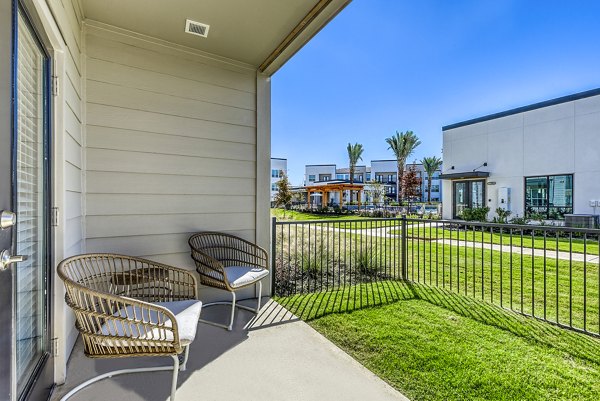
258,360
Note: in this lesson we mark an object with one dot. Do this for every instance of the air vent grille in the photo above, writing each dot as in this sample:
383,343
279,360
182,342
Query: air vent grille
196,28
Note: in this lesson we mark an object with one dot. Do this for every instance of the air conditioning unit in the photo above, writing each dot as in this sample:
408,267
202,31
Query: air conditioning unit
581,221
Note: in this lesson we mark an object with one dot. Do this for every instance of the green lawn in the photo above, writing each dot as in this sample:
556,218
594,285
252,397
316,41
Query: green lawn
432,344
363,223
551,243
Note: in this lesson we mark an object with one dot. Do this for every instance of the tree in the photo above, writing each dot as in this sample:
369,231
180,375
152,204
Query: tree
354,155
403,144
411,183
376,191
430,165
283,197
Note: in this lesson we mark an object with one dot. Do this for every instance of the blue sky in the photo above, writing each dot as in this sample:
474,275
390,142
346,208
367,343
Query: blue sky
387,65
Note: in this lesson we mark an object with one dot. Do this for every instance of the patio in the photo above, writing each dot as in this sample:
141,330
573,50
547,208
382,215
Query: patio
259,360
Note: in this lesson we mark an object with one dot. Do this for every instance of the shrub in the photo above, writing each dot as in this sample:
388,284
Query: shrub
503,215
475,214
519,220
366,262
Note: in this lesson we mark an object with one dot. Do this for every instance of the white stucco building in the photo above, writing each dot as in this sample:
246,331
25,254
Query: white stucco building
278,168
540,159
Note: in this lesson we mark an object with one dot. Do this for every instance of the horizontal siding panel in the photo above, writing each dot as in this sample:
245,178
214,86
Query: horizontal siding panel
73,151
72,99
175,64
115,95
120,139
72,125
134,183
72,205
71,34
116,117
75,249
73,74
136,204
124,226
132,162
149,244
72,178
73,231
139,78
181,260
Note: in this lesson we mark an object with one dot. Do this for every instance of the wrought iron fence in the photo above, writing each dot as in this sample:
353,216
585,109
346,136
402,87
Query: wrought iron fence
547,272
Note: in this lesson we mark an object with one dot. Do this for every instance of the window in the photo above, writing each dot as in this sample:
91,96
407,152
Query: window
368,176
435,188
339,177
550,196
311,178
324,177
276,173
273,187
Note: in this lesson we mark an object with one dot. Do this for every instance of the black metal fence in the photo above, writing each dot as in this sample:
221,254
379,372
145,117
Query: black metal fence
548,272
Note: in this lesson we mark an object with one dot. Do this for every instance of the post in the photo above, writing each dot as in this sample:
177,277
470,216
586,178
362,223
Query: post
404,239
273,253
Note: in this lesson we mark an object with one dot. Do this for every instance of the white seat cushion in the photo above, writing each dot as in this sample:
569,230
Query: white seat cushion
186,314
239,276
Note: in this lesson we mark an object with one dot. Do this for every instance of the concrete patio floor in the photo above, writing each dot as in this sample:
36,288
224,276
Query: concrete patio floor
272,356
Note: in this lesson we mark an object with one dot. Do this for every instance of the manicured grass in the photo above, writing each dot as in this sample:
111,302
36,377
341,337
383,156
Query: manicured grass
364,224
528,241
432,344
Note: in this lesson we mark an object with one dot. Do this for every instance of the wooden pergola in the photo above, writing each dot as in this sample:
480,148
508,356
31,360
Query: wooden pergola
325,189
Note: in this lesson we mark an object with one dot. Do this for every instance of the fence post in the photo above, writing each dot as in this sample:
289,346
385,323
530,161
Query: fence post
273,253
404,240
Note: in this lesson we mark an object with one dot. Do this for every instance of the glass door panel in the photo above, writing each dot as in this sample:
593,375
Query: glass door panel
31,199
477,194
461,198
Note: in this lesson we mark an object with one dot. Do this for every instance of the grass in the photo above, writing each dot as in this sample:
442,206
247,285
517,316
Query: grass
537,242
432,344
341,220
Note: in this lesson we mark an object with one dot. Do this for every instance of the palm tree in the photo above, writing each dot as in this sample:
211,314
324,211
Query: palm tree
430,165
403,144
354,155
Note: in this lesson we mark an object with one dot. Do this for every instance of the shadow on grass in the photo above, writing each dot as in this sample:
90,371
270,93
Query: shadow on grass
353,298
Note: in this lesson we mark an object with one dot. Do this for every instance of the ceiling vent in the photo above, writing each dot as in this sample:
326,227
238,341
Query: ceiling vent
196,28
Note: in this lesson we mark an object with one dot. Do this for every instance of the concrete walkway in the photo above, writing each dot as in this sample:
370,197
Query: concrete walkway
271,357
506,249
385,232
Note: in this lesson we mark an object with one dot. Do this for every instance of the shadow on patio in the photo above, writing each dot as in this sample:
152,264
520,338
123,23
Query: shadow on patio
272,356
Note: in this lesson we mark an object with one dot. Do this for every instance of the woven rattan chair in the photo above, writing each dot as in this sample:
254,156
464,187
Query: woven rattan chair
126,307
229,263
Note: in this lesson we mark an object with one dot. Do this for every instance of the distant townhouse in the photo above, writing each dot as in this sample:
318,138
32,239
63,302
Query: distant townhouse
537,161
278,168
382,171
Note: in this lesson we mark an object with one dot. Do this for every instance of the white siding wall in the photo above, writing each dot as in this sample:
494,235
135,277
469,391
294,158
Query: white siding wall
558,139
171,146
70,168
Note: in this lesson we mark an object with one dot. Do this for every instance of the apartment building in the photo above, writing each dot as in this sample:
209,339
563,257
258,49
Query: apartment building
278,168
536,160
382,171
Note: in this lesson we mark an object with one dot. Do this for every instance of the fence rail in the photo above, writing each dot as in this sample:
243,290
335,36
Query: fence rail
547,272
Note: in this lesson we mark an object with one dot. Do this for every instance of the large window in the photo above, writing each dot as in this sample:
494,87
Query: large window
311,178
549,196
276,173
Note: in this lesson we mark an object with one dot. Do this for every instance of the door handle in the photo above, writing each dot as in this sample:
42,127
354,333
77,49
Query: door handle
6,259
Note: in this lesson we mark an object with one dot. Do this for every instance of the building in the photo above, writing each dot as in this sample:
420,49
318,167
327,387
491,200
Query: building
124,130
382,171
278,168
537,161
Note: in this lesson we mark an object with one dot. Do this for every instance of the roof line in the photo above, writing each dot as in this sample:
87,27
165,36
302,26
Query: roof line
551,102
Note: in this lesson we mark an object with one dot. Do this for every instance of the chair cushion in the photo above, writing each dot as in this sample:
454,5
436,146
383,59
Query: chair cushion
240,276
186,314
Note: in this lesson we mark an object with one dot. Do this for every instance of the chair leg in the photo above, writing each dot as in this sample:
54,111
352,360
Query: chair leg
186,354
175,375
259,296
232,311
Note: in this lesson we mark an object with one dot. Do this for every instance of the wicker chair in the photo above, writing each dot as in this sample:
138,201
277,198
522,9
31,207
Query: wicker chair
126,306
229,263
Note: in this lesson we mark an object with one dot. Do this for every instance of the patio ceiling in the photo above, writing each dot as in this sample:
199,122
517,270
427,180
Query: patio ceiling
252,32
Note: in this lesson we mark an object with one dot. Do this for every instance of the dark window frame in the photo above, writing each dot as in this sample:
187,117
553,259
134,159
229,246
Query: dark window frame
566,210
468,195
